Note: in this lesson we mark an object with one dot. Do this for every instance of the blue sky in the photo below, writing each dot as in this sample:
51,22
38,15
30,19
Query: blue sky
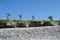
41,9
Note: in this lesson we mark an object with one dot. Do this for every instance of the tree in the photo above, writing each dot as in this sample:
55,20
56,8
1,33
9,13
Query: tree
33,17
51,18
8,14
20,16
10,21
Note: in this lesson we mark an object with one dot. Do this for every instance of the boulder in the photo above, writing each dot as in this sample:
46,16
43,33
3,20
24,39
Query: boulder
21,25
2,24
47,23
35,24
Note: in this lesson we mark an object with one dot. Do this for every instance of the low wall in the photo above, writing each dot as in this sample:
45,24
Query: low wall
33,33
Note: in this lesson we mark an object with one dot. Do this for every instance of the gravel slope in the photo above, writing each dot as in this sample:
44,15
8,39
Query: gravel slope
33,33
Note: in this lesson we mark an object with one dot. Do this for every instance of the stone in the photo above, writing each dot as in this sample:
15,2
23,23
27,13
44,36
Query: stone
21,25
2,24
47,23
33,33
35,24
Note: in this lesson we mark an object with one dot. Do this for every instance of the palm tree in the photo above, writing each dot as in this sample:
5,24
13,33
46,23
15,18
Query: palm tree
8,14
10,21
20,16
33,17
51,18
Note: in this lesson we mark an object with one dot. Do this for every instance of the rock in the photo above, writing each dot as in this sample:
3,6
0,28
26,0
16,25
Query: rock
35,24
47,23
21,25
2,24
34,33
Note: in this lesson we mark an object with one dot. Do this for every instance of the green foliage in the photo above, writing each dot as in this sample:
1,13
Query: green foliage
51,18
8,15
20,16
33,17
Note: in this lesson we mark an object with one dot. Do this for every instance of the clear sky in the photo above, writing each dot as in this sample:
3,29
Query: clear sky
41,9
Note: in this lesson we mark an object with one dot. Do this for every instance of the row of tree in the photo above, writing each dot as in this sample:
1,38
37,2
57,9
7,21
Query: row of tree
33,17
